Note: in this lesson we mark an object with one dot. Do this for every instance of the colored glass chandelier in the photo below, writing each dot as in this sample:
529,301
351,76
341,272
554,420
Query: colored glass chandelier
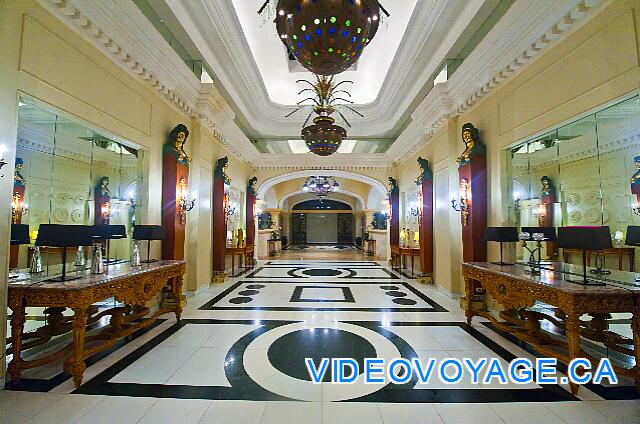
320,186
326,36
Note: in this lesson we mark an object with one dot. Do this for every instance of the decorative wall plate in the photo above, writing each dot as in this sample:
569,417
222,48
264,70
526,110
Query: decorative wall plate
574,199
591,198
575,217
60,198
60,215
76,215
592,216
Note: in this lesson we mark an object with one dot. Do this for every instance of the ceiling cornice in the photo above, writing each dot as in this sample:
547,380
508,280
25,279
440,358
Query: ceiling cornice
525,31
116,31
433,29
354,161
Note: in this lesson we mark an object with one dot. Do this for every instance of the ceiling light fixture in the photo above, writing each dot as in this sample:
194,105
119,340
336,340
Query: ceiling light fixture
320,186
326,36
324,137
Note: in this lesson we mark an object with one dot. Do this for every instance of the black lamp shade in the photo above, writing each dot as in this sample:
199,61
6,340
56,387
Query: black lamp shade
109,232
148,232
633,235
501,234
57,235
584,238
549,232
20,234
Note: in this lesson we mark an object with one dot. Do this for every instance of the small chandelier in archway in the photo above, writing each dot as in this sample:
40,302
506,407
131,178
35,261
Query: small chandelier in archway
321,186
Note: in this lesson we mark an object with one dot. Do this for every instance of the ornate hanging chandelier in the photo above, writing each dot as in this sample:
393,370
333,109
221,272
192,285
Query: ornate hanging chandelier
320,186
326,36
324,137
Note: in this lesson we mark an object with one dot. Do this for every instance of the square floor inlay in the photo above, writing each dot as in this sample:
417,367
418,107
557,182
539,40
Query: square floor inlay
322,294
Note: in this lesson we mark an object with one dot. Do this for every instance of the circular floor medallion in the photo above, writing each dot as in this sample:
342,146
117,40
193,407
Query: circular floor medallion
248,292
287,354
259,353
255,286
390,287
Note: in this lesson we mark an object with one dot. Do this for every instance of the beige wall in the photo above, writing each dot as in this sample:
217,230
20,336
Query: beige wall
46,61
597,64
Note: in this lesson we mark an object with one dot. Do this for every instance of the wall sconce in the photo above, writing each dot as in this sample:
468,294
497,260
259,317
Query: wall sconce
184,203
541,212
229,211
636,208
516,201
462,205
18,208
105,211
2,161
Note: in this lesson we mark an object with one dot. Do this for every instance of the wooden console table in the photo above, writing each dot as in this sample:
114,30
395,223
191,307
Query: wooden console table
133,286
516,289
620,252
398,257
369,246
246,257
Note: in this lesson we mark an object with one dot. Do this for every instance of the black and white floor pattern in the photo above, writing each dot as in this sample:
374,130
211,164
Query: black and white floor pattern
244,344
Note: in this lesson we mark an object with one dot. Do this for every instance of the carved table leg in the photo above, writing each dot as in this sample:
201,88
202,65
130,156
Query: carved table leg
179,282
635,327
572,328
17,327
468,310
76,365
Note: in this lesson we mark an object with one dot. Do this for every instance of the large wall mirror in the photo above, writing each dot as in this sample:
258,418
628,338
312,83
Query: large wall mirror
68,173
580,175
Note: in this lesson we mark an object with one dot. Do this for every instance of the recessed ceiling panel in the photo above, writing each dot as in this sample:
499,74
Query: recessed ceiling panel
270,55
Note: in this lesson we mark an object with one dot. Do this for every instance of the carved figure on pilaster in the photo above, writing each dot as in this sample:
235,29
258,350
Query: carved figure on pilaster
472,143
177,139
425,171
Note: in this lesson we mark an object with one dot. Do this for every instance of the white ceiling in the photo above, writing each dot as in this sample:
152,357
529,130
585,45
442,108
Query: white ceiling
269,53
251,66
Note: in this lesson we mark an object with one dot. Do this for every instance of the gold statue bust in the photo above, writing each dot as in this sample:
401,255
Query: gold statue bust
177,139
472,143
635,179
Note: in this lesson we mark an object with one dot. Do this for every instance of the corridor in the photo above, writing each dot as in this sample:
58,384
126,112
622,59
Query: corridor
238,355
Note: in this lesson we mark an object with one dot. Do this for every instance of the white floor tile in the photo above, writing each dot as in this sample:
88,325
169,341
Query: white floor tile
409,413
67,410
118,409
525,413
285,412
233,412
205,368
618,411
350,413
465,413
577,413
18,407
172,411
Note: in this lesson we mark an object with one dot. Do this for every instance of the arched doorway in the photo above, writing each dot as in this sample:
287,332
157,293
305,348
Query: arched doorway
322,222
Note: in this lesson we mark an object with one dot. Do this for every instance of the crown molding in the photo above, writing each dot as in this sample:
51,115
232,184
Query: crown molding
523,33
116,32
353,161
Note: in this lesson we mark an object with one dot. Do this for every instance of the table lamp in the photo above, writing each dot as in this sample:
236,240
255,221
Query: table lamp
549,234
19,235
501,235
65,236
148,233
585,238
109,232
633,238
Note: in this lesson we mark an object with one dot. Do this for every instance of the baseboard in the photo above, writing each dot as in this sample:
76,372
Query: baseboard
198,291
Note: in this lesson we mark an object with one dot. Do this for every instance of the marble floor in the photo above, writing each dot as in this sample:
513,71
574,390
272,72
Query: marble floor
237,356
